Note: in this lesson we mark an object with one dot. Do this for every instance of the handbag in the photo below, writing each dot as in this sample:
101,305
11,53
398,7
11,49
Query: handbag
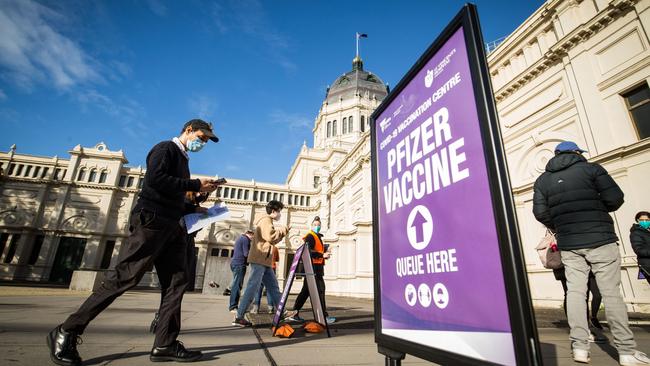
548,252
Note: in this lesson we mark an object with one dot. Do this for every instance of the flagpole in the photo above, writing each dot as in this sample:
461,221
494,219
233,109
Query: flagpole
357,34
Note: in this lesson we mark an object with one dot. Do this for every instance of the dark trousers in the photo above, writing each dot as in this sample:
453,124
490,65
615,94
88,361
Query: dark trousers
304,293
152,240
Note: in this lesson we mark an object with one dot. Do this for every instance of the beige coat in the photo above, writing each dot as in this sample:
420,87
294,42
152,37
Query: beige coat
266,236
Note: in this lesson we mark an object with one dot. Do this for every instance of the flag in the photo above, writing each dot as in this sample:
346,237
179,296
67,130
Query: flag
361,35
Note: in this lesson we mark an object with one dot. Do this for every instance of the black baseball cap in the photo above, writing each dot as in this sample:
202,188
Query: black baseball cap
206,127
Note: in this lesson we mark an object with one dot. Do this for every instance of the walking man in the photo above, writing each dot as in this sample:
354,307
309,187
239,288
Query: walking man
573,198
260,258
238,267
155,238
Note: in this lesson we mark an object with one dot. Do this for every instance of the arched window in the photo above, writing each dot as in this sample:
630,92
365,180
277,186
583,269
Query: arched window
362,125
345,125
93,175
82,174
102,176
350,124
334,128
129,182
329,129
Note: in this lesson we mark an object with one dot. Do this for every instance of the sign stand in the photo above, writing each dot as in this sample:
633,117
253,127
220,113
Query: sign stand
393,358
302,256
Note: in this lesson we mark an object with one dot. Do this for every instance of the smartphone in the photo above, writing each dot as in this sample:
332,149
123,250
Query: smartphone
219,181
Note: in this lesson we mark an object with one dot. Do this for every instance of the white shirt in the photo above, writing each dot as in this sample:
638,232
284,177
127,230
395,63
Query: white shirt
180,146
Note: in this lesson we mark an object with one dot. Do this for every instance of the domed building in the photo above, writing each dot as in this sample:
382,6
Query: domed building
338,168
343,116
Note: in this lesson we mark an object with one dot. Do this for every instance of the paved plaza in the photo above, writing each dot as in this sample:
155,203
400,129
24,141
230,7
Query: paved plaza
119,336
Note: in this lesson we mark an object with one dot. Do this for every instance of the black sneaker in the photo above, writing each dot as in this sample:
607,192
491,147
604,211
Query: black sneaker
63,347
241,322
174,352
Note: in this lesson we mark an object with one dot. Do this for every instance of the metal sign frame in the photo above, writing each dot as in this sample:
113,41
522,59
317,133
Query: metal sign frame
522,320
302,255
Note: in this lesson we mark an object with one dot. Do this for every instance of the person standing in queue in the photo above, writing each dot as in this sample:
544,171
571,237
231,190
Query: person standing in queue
155,237
574,198
238,265
640,239
318,253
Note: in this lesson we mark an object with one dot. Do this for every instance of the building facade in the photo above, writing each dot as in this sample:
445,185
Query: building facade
578,70
574,70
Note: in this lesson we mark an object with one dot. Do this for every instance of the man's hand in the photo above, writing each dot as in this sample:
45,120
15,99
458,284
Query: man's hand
201,197
207,185
327,255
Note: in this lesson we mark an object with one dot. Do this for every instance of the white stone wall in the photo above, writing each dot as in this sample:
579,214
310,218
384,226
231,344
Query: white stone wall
560,76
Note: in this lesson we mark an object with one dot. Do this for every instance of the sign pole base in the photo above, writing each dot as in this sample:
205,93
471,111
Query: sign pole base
393,358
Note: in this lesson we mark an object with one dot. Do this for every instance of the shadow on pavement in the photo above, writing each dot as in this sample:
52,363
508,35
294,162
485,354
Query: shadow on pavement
549,354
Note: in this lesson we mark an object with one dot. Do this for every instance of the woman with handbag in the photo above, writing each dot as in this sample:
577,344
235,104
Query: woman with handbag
640,239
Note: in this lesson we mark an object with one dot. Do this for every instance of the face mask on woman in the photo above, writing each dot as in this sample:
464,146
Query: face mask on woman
317,229
644,224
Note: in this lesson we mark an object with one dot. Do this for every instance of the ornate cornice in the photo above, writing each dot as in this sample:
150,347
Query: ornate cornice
557,52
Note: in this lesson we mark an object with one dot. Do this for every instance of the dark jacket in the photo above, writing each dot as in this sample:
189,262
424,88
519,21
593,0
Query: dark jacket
240,253
640,239
166,181
573,198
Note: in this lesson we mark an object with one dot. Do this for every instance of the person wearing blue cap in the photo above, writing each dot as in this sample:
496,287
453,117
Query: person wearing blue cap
573,198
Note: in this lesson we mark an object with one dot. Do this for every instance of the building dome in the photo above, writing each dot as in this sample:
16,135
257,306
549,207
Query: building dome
357,82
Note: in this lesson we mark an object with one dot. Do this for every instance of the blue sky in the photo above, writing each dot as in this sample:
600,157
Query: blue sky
131,72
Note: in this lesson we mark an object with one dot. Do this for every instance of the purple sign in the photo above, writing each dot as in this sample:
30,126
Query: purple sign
441,278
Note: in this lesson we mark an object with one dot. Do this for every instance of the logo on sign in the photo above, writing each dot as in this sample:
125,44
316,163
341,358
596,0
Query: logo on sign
384,124
428,80
419,227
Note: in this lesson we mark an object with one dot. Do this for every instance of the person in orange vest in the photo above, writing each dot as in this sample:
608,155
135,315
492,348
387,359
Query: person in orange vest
318,252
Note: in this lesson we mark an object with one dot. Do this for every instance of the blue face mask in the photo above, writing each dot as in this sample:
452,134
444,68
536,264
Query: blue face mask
316,229
195,145
645,224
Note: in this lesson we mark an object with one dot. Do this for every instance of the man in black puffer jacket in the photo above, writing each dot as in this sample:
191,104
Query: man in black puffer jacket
573,198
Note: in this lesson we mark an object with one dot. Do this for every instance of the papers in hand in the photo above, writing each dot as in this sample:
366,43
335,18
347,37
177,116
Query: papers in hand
197,221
